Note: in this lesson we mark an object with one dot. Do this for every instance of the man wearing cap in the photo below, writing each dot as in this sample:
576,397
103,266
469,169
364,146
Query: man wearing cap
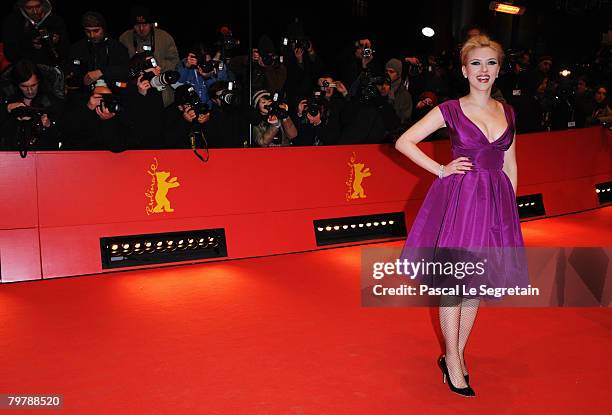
97,56
396,93
144,37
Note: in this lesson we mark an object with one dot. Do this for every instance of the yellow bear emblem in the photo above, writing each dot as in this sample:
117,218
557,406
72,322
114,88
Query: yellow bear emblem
359,174
161,196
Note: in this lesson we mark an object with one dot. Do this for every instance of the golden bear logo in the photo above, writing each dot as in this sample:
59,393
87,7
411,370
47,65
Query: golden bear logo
163,204
158,190
357,174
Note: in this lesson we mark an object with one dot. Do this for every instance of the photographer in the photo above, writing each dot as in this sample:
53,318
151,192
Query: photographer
33,32
269,72
145,38
396,93
99,123
335,99
583,99
369,118
514,85
143,101
601,111
186,116
303,68
311,122
97,56
229,122
201,70
541,95
272,125
28,111
360,58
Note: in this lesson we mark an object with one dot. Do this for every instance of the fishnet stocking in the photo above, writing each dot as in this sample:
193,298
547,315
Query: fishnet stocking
457,317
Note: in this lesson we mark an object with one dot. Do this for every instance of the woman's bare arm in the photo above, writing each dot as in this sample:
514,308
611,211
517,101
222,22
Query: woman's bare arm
407,145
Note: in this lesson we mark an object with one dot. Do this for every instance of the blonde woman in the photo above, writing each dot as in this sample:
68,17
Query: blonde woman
470,209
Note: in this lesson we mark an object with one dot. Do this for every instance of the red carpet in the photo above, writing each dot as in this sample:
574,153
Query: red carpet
287,335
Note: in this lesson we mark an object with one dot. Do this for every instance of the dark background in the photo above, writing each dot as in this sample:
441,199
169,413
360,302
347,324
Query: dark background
570,30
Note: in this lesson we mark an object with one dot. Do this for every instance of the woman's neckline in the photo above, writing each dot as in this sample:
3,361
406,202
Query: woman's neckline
478,128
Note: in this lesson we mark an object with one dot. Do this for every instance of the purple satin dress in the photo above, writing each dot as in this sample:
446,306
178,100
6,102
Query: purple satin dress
471,217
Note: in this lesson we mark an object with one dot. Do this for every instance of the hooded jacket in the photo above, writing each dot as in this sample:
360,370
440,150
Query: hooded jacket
19,31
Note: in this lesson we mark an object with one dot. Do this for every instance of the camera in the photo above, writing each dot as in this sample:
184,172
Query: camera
314,104
209,66
275,109
229,96
140,68
161,81
192,99
327,84
302,43
29,131
21,112
367,52
368,87
512,60
112,103
46,38
271,59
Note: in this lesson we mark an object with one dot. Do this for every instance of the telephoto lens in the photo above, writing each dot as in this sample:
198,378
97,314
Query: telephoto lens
160,82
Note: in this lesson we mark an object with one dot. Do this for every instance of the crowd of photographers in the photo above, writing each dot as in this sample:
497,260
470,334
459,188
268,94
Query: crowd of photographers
138,92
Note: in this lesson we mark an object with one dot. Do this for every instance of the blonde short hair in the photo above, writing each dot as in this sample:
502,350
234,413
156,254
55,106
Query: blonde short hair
481,41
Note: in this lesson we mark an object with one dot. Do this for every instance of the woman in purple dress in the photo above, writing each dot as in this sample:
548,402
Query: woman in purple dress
470,209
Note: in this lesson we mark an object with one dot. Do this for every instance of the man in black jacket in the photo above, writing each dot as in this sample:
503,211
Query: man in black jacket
97,56
100,123
34,33
228,126
184,120
28,110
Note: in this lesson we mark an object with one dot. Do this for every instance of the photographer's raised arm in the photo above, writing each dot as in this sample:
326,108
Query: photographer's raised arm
289,128
268,135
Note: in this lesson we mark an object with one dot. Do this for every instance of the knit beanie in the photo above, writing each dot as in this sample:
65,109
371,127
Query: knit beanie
259,95
93,19
396,65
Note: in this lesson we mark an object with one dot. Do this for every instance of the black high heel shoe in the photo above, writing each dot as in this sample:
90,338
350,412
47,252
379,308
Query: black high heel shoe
466,377
467,391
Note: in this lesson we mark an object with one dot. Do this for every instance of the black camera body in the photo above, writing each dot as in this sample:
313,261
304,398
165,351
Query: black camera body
368,87
209,66
135,71
22,112
46,38
271,59
275,110
200,108
314,104
192,99
112,103
230,96
300,43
